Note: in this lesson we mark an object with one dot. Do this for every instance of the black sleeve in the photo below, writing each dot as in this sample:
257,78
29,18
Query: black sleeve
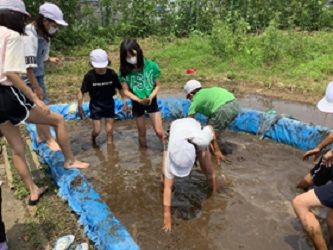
85,84
116,81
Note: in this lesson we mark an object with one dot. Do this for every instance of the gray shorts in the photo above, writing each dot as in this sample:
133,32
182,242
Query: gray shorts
224,115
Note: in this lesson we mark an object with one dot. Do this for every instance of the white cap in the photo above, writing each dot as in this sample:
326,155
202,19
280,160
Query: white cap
326,104
204,138
52,11
14,5
182,158
99,59
191,85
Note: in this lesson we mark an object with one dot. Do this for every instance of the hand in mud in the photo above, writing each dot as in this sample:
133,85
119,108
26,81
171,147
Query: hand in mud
80,112
221,158
327,160
308,154
167,224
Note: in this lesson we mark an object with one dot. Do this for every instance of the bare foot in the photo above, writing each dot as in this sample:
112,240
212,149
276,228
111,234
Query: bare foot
40,139
37,193
53,145
76,164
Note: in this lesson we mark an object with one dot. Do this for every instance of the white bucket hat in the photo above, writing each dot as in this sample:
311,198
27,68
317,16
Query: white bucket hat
99,58
191,85
182,158
14,5
52,11
326,104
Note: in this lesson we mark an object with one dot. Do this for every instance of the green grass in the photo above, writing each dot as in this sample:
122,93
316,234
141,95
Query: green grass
301,61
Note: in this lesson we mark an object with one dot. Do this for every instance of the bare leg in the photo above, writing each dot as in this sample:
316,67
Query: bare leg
156,120
306,182
206,166
44,134
302,205
109,130
141,125
329,220
13,136
96,130
57,121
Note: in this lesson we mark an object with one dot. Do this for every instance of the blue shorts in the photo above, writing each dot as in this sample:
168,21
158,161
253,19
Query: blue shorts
40,80
101,109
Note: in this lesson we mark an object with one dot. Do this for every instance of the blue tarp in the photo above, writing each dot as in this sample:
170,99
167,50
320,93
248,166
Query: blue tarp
99,223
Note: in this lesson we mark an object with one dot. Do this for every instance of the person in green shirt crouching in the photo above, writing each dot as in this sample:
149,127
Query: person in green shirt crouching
217,104
139,78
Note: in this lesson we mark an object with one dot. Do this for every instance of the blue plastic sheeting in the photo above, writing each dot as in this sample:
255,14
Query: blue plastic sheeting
99,223
280,129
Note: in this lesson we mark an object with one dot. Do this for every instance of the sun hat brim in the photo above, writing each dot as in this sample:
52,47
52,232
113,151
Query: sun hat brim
61,22
100,65
325,106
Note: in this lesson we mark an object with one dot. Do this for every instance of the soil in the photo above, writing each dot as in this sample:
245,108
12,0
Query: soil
15,211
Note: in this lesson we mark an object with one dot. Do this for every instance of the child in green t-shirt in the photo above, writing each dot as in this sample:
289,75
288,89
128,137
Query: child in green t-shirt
139,78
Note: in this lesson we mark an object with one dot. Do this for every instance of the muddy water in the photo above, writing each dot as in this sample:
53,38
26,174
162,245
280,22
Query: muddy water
251,210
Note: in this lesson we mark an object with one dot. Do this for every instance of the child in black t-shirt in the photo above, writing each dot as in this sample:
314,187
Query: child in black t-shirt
101,83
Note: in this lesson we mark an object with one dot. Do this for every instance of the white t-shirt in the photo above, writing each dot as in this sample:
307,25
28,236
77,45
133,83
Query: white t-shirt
190,129
11,54
31,47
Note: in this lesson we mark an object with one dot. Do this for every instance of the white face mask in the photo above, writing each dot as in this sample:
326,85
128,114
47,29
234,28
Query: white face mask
52,30
133,60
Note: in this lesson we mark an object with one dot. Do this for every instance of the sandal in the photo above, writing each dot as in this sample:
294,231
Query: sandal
34,203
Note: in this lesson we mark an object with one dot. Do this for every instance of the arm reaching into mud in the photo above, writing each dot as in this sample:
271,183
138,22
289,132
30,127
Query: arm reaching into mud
316,151
214,147
167,204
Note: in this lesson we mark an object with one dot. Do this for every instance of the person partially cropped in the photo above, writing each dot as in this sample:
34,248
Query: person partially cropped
101,83
217,104
320,177
187,141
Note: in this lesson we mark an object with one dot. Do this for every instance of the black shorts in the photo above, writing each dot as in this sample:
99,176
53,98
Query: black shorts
101,109
14,105
321,174
139,110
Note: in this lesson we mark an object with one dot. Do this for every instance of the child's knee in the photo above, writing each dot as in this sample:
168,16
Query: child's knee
18,150
109,131
59,120
96,131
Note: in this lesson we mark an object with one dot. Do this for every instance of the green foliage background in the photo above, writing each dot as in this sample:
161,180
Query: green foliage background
104,21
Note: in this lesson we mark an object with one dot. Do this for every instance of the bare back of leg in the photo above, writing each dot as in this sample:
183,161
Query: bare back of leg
37,116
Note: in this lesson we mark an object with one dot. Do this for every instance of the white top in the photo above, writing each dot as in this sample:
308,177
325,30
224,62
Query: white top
190,129
31,47
11,54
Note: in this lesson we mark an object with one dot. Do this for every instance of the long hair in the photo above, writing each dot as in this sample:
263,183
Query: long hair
132,46
13,20
40,28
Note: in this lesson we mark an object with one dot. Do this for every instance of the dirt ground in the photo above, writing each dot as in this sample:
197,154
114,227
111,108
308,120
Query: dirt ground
15,212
